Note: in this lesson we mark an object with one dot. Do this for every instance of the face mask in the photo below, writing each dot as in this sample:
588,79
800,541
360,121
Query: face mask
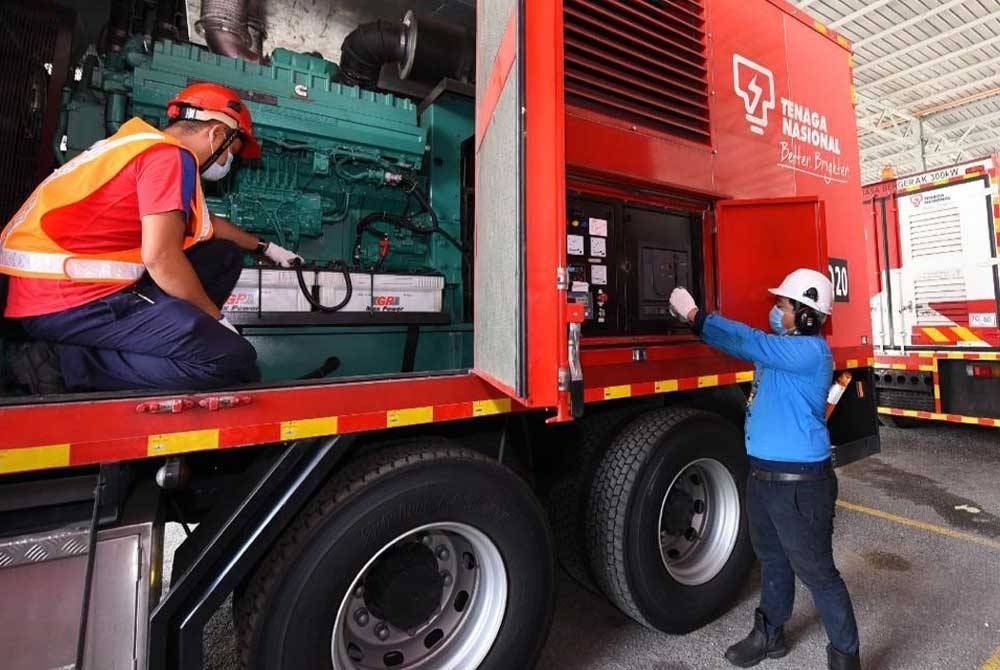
215,172
774,318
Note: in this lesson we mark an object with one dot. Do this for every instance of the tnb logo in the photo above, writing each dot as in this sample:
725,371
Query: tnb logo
755,85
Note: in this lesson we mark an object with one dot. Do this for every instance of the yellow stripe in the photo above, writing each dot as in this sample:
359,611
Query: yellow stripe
988,357
913,523
937,392
180,443
935,334
965,334
882,366
300,430
34,458
898,366
942,182
668,386
852,363
846,43
871,362
744,377
956,355
993,662
489,407
708,380
926,368
820,27
612,392
409,417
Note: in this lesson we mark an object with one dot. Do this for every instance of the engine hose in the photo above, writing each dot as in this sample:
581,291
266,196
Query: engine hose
348,293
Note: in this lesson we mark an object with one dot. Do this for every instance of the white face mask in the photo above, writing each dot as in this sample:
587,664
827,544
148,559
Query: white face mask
215,172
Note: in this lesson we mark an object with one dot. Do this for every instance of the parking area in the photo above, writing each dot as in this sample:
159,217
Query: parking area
917,539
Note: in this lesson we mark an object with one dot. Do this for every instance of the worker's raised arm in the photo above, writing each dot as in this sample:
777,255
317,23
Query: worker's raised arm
165,260
793,354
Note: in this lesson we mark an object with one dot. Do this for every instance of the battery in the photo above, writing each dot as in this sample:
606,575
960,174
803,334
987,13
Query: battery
265,290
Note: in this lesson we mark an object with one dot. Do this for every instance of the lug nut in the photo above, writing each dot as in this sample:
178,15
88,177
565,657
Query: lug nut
446,578
382,632
361,617
359,592
443,553
426,539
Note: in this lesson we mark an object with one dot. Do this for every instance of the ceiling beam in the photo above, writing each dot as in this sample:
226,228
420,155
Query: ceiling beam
925,65
920,17
941,81
920,44
854,16
804,3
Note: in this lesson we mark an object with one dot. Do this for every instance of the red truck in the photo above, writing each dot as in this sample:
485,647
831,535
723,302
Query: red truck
935,304
621,149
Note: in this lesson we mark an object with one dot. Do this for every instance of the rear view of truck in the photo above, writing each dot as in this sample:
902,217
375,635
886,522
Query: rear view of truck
935,307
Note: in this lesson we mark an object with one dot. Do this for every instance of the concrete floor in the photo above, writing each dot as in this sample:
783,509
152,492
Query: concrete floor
919,547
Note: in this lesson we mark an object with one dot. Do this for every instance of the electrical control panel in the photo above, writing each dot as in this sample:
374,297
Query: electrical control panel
623,261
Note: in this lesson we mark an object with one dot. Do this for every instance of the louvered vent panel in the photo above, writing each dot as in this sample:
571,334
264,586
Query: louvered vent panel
642,61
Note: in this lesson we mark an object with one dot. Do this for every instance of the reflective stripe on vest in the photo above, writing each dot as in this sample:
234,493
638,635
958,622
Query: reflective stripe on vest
35,254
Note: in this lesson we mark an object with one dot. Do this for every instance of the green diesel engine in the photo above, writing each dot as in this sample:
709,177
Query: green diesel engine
373,190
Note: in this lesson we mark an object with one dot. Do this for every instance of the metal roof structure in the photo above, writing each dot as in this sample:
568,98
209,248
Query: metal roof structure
927,74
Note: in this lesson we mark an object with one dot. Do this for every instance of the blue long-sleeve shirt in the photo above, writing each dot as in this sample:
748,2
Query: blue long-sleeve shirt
786,413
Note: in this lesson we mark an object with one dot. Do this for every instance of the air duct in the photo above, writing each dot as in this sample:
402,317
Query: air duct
228,30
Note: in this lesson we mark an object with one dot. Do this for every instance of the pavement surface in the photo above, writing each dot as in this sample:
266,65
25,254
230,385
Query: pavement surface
917,540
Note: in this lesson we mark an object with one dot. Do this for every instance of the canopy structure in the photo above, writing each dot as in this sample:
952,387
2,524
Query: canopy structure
928,79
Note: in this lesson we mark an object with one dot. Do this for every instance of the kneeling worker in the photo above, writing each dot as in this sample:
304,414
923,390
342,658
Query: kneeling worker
792,487
118,269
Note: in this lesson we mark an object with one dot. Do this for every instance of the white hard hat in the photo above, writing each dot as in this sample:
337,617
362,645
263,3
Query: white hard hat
808,287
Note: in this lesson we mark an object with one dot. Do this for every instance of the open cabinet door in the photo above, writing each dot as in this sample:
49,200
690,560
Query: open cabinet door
758,243
520,332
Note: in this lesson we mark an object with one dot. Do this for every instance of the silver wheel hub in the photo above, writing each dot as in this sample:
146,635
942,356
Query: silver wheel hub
699,522
432,599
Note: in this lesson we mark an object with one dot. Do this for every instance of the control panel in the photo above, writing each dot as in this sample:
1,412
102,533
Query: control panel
623,261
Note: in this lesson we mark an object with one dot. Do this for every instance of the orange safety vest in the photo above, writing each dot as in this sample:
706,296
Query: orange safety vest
26,250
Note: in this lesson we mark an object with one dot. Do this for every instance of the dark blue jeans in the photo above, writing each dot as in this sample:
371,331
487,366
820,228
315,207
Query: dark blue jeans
791,528
142,338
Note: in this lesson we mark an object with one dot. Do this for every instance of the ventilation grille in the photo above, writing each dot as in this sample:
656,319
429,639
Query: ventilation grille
642,61
936,232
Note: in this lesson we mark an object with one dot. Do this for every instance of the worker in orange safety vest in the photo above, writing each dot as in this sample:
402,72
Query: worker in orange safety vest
117,269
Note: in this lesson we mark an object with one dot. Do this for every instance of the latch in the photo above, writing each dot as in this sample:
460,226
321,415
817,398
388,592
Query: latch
215,403
575,315
172,406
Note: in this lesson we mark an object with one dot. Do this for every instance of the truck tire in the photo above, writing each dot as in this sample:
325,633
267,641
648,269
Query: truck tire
667,533
568,498
423,557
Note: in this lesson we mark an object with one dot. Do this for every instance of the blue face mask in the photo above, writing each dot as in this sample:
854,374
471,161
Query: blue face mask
774,318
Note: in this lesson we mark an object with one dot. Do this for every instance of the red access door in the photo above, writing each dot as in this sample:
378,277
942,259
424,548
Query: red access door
758,242
521,334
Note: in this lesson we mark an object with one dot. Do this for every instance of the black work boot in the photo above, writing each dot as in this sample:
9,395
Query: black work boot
756,646
36,365
838,660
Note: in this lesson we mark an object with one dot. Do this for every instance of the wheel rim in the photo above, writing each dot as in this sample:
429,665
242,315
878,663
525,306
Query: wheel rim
398,614
699,522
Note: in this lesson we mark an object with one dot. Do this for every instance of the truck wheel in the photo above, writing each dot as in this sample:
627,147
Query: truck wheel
568,499
667,537
424,557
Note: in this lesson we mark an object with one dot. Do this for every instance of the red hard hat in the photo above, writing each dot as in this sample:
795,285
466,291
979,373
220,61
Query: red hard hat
211,102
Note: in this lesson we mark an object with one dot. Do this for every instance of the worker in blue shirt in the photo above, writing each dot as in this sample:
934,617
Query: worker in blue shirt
792,488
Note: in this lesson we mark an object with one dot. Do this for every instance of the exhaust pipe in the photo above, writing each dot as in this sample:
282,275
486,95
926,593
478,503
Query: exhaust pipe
226,25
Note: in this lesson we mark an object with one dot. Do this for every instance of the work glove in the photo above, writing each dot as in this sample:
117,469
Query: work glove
225,322
280,256
681,303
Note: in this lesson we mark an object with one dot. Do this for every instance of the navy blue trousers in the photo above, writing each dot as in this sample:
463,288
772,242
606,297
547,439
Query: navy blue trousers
124,341
791,529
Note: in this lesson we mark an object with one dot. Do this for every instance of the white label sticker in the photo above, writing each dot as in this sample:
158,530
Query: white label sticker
598,227
580,287
983,320
599,275
598,247
574,245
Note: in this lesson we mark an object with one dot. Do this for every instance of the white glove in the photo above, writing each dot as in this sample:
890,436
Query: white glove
225,322
681,303
279,256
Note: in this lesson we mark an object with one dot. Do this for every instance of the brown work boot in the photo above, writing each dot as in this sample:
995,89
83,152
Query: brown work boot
756,646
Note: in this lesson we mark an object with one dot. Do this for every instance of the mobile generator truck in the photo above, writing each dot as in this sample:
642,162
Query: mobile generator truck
935,306
481,332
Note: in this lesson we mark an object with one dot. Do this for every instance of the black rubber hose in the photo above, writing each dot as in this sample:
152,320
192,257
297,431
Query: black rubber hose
366,49
348,294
